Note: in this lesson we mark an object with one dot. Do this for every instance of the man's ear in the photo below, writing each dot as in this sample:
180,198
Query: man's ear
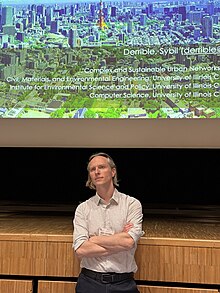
113,172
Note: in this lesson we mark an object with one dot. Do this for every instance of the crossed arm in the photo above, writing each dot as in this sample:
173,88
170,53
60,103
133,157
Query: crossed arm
106,245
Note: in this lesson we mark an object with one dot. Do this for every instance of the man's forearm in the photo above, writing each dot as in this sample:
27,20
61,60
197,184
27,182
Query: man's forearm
90,249
114,243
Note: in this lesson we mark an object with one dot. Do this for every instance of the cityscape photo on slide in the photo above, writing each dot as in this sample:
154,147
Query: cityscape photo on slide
110,59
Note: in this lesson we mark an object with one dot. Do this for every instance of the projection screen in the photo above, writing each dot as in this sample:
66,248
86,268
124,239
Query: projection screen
111,73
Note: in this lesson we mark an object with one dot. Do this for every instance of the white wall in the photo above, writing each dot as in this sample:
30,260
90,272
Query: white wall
110,132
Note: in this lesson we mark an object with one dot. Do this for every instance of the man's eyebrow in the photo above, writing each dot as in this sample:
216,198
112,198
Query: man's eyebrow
99,165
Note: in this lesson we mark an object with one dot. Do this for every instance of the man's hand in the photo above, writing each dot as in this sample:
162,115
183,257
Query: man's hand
127,227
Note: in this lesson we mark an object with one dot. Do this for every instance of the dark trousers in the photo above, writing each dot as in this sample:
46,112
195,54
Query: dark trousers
86,284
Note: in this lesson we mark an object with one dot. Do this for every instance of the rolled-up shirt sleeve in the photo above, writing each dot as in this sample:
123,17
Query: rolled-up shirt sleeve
80,232
135,216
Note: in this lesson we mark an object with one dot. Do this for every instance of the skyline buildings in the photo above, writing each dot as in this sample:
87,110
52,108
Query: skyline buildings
142,23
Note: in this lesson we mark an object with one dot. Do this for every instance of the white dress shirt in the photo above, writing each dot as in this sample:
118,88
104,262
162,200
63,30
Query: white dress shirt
94,217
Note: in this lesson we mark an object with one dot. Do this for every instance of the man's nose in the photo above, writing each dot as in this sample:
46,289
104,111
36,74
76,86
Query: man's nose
97,170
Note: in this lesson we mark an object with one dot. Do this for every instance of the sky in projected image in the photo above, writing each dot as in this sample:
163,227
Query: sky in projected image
110,59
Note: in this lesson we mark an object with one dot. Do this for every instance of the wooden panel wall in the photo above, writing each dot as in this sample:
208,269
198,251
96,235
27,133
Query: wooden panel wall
64,287
38,258
151,289
56,287
60,260
167,260
15,286
178,264
22,257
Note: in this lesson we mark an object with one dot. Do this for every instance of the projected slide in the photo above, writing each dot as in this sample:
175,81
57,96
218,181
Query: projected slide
109,59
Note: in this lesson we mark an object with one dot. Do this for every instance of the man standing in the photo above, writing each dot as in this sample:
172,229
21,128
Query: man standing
106,230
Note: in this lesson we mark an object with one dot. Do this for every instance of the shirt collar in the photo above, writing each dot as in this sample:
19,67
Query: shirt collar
114,198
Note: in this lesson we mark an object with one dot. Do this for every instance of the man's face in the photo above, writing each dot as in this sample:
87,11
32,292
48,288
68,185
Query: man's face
100,171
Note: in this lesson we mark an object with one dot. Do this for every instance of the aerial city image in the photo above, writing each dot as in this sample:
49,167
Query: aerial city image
110,59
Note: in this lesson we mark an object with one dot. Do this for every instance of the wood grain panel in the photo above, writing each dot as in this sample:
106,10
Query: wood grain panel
160,262
42,246
56,287
38,258
178,264
22,258
151,289
60,260
18,286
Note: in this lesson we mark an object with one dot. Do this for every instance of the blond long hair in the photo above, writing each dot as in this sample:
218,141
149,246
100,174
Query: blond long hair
111,164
